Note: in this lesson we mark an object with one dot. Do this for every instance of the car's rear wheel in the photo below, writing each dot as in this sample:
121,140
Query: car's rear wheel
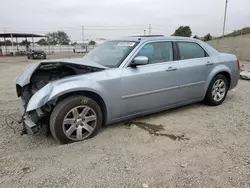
217,90
75,119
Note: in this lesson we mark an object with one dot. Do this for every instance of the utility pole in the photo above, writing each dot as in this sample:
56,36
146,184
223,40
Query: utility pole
83,34
225,15
4,30
149,29
12,44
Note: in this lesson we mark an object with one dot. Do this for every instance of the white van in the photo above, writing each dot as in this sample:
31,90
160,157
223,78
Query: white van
80,48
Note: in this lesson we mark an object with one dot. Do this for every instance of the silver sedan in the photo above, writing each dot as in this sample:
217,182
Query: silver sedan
119,80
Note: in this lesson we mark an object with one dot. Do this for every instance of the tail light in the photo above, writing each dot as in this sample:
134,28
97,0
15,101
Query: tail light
238,62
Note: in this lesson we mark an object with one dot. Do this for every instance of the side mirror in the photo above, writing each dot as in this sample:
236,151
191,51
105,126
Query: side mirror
139,60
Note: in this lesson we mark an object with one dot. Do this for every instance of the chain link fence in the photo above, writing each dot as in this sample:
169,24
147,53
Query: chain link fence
48,49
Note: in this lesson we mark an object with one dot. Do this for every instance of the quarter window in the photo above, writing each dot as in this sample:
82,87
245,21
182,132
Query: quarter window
190,50
157,52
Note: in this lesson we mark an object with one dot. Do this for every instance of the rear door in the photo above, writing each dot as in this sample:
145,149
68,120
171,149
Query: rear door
194,68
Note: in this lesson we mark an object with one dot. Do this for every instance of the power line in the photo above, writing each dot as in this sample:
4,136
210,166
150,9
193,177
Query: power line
115,25
115,29
93,27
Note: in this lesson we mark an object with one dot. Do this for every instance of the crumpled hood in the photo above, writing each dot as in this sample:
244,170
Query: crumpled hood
24,78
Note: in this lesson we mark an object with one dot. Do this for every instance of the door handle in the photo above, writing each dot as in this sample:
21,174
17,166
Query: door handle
171,69
209,63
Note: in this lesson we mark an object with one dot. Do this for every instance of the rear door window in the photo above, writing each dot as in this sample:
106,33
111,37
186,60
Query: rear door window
191,50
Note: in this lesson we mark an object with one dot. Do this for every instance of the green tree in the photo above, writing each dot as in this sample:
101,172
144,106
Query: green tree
242,31
207,37
7,43
59,37
74,43
184,31
25,43
42,42
92,42
196,37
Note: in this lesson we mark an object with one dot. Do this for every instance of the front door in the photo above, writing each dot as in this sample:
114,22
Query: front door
152,86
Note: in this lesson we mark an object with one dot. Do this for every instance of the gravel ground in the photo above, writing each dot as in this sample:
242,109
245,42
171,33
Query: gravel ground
198,146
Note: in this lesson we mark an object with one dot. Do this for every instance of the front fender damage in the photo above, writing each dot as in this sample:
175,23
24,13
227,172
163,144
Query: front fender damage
37,108
42,83
43,101
40,98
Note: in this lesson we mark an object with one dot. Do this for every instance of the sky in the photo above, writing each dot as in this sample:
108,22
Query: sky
113,18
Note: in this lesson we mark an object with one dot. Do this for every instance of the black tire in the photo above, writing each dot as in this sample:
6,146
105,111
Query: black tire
209,100
63,107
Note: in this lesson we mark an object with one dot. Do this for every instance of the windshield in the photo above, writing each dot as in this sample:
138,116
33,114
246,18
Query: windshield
111,53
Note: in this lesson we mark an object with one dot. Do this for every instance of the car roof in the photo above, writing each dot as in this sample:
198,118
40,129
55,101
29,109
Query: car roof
152,38
149,38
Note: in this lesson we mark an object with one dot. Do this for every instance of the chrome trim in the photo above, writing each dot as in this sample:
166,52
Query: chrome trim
148,92
192,84
154,110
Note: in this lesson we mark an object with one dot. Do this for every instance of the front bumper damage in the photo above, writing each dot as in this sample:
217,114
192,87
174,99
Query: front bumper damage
58,78
28,120
35,122
29,127
31,122
34,111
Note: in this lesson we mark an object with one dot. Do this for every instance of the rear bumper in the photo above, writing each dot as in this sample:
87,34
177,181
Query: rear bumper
234,80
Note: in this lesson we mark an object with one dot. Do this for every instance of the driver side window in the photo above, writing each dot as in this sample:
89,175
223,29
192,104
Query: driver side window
157,52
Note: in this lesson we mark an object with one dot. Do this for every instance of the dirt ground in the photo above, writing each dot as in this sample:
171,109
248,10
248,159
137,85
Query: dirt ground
195,146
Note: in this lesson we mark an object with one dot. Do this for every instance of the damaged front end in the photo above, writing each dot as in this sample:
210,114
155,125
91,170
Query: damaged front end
36,89
34,108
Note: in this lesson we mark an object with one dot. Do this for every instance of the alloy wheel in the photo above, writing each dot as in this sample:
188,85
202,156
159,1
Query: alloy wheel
79,123
219,90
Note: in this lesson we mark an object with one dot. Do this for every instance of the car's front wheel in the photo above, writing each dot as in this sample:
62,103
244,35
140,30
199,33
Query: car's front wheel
75,119
217,90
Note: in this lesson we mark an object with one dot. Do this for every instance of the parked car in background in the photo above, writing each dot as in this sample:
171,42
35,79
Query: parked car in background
36,54
119,80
